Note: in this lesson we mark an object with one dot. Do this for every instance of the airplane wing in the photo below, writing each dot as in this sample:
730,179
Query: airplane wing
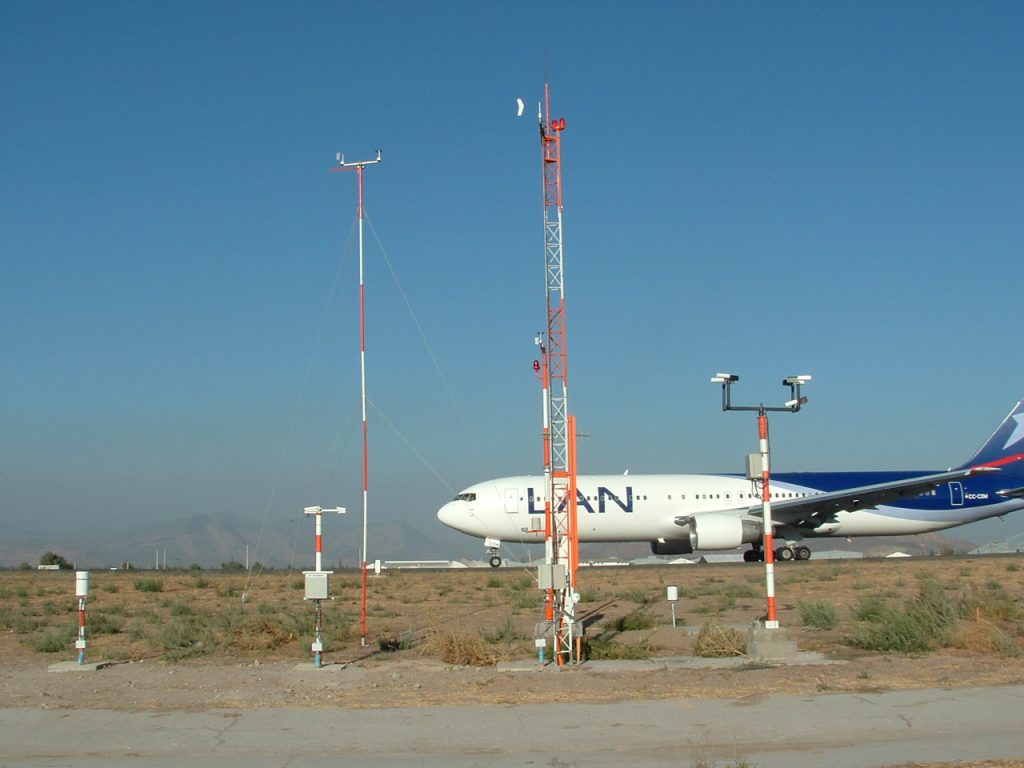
813,510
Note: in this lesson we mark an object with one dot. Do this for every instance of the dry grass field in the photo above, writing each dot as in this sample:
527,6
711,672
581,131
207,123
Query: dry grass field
211,638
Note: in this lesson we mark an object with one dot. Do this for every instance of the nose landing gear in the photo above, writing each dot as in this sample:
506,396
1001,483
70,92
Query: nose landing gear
492,546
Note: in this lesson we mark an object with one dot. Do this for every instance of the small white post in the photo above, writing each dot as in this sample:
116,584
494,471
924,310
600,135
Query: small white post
81,592
672,593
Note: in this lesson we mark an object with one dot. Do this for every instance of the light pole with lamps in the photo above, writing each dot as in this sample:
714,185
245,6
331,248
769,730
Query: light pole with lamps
758,464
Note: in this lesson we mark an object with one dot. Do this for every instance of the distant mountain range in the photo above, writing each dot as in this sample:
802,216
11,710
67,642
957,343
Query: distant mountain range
212,540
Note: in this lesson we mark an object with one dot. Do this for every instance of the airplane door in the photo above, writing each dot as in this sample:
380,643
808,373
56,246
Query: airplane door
511,501
956,494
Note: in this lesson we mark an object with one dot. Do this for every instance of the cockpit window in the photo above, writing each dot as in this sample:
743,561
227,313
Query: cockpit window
466,497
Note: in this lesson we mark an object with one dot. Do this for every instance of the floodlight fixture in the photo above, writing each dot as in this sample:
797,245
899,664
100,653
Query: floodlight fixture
792,381
722,378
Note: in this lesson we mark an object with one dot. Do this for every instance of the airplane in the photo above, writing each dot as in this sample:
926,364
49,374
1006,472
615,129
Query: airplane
679,514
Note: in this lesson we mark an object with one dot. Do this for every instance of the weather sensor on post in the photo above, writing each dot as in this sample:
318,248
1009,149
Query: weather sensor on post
317,585
81,592
758,469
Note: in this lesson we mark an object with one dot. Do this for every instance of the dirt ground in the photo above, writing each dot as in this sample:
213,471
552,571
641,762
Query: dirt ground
190,640
183,640
195,639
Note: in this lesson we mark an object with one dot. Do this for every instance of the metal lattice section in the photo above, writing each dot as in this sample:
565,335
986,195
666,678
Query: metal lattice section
562,544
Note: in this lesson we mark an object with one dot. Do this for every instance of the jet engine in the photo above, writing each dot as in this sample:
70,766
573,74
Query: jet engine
718,531
671,547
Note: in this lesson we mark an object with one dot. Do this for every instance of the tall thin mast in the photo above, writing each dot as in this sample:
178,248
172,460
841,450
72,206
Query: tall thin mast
358,166
561,538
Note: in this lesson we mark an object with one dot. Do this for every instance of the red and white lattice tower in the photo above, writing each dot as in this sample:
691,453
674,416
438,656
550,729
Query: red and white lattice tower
561,537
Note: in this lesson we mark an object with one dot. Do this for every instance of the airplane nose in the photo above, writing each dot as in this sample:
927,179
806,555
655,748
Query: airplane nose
447,515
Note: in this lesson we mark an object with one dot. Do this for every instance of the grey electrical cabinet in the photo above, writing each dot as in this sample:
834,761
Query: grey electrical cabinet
316,585
755,466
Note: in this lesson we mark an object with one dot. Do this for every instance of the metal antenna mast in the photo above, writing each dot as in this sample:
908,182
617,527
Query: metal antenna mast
561,546
358,167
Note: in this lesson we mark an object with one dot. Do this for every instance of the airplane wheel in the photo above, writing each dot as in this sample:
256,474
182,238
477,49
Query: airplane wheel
784,554
803,553
750,556
495,561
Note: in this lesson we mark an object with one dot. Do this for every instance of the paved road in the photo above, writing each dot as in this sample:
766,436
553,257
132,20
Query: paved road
785,731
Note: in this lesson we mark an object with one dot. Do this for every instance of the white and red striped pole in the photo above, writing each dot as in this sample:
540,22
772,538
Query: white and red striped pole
766,511
319,542
796,402
81,592
358,166
318,512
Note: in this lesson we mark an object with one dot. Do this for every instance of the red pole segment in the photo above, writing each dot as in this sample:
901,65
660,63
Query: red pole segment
766,506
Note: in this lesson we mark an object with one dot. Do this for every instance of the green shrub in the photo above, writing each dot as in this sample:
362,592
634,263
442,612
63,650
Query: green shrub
149,585
870,609
718,604
526,600
182,609
504,634
924,622
103,623
184,637
50,642
523,582
638,620
893,630
634,596
992,604
817,614
605,648
736,590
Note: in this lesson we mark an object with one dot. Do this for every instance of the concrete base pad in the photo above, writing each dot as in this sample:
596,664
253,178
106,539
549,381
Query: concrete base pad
74,666
327,666
770,644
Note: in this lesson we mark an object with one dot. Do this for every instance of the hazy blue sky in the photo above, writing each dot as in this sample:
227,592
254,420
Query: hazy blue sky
762,188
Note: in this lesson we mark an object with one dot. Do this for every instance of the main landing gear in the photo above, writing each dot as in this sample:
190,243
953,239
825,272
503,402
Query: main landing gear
783,554
492,545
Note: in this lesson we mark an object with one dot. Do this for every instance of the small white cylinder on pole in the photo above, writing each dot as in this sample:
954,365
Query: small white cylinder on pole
81,584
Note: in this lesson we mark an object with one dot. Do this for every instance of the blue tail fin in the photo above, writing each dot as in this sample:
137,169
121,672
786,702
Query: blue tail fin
1005,447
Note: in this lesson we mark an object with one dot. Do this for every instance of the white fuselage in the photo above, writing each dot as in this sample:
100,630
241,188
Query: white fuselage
645,508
